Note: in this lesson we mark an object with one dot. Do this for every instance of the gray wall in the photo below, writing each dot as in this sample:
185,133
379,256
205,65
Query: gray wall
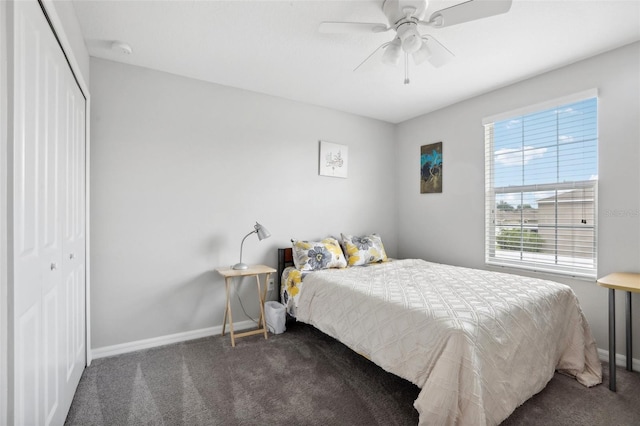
182,168
180,171
449,227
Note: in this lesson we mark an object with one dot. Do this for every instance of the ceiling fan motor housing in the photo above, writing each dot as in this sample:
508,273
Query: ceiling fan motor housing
396,10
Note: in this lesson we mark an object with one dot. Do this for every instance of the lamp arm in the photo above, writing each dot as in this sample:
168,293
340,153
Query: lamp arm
242,243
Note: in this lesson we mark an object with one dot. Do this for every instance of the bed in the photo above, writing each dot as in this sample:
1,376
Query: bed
477,343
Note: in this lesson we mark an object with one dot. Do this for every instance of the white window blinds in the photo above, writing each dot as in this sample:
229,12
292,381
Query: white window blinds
541,174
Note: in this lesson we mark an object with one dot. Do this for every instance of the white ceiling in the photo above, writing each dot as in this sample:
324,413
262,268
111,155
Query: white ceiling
273,47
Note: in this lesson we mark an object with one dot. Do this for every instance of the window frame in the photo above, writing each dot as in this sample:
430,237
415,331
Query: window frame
522,259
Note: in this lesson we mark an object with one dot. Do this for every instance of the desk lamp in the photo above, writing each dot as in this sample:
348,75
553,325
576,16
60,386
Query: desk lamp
262,234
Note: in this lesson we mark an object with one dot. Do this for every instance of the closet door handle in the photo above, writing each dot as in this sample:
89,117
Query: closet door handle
54,266
72,256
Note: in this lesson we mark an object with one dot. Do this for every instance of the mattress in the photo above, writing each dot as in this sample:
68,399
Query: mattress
477,343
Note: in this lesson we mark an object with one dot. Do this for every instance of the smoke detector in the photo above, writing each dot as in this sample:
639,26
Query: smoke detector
121,47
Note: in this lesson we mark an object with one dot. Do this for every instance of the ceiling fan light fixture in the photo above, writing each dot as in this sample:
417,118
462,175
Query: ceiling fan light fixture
410,37
392,53
405,16
422,54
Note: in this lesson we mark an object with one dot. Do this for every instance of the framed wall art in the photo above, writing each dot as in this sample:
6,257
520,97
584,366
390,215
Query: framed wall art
334,159
431,168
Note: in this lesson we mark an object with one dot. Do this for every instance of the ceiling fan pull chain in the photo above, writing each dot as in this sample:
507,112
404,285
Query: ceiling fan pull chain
406,68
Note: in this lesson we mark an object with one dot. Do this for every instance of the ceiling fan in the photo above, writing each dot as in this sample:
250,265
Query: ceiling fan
405,17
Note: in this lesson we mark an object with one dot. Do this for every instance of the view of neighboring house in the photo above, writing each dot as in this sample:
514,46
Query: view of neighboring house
575,210
574,234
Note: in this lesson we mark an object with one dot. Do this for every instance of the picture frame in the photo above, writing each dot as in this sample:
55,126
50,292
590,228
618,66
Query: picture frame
431,168
333,160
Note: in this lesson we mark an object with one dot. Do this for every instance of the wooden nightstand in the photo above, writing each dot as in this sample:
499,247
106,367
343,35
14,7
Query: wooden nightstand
252,271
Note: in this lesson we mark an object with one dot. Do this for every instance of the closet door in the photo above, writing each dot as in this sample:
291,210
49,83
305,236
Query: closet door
72,192
48,316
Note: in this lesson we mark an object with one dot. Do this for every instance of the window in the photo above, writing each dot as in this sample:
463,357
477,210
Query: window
541,174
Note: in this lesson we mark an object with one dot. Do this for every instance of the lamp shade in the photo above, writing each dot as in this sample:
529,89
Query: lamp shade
392,52
422,54
262,234
410,38
262,231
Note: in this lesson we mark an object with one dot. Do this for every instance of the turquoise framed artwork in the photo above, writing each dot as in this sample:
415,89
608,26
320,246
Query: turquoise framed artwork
431,168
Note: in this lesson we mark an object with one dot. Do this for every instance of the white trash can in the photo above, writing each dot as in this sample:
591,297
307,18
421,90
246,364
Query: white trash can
275,313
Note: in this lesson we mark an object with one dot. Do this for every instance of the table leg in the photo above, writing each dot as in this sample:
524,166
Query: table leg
266,284
629,339
262,317
612,339
264,292
233,340
226,305
261,299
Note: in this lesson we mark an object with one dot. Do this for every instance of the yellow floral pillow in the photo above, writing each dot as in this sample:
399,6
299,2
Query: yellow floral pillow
315,255
363,250
292,282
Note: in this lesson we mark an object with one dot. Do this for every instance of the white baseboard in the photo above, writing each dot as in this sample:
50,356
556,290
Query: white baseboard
123,348
621,360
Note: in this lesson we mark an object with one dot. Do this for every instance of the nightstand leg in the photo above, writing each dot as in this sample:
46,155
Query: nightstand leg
264,290
612,339
264,320
233,340
629,334
224,321
264,296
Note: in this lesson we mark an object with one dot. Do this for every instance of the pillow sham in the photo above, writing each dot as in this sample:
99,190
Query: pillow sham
315,255
290,291
363,250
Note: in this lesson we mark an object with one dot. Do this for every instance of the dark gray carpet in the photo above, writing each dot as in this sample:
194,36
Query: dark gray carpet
301,377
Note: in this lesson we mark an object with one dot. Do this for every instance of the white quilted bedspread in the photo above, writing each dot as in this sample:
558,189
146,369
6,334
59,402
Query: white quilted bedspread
477,343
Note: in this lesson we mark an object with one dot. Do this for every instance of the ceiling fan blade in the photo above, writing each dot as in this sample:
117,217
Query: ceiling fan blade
378,49
467,11
440,55
352,27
